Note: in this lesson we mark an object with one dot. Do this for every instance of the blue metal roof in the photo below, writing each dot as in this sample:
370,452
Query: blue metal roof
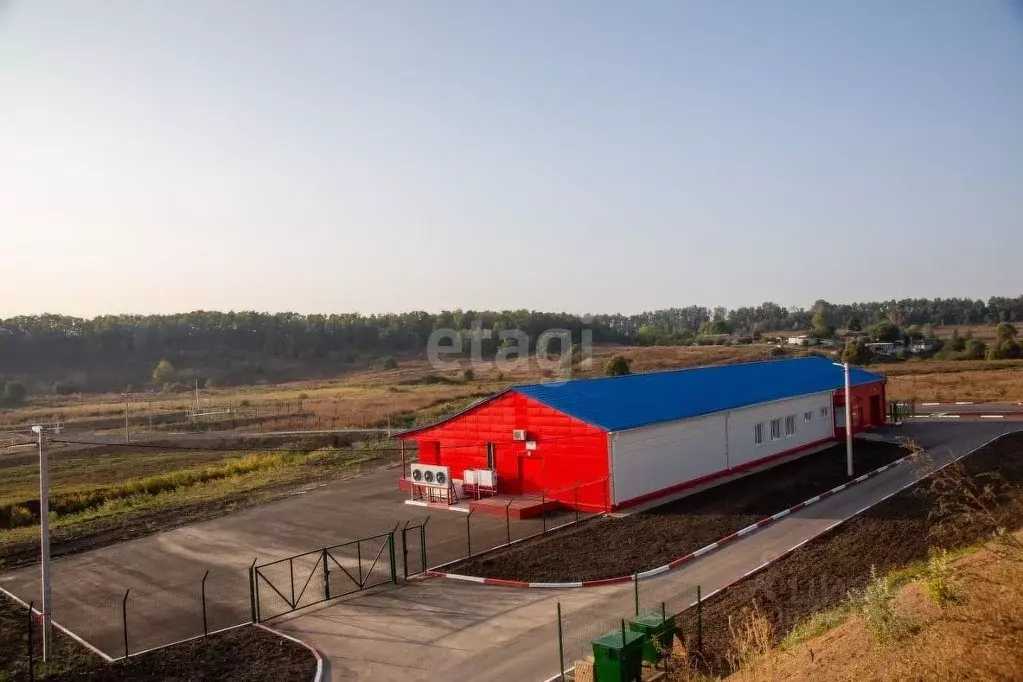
618,403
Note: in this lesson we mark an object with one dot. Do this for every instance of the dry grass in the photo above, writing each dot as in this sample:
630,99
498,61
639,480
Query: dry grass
981,637
995,384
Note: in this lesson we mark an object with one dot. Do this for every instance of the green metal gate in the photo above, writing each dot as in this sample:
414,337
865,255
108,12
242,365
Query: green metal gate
305,579
413,548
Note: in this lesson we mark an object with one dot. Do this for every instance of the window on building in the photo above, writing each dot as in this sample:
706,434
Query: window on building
808,416
775,429
790,425
491,463
758,434
825,411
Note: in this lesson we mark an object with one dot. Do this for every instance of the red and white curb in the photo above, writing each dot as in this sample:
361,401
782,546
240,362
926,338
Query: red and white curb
318,677
752,528
57,625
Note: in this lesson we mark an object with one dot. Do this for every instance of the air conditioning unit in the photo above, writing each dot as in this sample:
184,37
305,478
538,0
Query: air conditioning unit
519,434
486,478
430,474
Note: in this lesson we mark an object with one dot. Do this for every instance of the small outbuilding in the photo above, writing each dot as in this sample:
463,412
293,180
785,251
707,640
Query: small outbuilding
609,443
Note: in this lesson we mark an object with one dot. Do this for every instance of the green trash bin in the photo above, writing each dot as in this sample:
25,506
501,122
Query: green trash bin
659,629
618,656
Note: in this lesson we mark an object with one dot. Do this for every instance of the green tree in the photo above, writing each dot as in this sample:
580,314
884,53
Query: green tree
164,372
1005,332
856,352
618,366
819,326
854,324
884,331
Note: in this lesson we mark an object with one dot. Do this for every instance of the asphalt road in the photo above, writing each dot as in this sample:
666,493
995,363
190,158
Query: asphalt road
462,632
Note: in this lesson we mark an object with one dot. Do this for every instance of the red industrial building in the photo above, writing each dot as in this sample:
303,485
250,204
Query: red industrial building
609,443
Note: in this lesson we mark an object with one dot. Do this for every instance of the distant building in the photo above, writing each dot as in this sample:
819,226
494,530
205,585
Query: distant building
923,345
886,347
801,340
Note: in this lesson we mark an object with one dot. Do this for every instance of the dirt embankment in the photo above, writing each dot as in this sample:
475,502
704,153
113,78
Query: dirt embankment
890,535
612,547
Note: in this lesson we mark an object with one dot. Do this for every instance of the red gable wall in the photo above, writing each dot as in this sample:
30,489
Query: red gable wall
569,452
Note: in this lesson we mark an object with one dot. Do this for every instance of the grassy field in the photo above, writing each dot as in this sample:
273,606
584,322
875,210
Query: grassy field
110,492
944,380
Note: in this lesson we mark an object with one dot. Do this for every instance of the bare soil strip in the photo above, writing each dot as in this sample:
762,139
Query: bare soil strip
819,575
246,654
610,547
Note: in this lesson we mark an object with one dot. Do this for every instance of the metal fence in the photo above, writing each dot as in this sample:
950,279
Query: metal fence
305,579
653,601
485,532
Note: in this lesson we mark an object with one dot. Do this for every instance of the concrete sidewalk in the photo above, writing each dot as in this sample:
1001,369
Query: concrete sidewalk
462,632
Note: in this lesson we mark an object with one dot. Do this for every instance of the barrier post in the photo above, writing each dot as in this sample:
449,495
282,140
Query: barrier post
507,519
124,620
468,532
358,558
32,660
202,592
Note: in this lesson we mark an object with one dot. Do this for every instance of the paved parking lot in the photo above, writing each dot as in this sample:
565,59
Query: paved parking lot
164,571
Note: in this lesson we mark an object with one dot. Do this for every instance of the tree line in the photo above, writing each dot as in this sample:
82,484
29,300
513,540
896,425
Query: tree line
127,347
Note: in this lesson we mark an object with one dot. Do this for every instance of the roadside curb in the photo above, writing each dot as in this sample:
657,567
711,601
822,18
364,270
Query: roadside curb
318,677
675,563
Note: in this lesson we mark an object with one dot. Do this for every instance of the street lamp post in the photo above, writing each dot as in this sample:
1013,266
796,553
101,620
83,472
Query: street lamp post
44,536
848,420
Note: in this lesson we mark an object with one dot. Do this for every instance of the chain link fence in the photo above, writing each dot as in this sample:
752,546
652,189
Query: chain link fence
664,608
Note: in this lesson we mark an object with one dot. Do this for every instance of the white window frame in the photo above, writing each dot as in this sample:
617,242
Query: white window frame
808,416
790,425
758,434
775,429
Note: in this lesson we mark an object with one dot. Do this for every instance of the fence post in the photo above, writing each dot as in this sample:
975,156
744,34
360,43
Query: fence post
291,573
31,654
561,647
326,575
252,590
543,509
124,618
635,581
404,550
202,591
699,620
358,558
507,520
468,532
394,563
422,540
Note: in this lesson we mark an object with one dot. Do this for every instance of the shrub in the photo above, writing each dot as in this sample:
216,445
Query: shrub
940,582
468,374
14,393
500,376
975,349
618,366
877,603
389,362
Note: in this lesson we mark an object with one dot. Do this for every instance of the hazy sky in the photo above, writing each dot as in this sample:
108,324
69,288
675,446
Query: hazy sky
580,156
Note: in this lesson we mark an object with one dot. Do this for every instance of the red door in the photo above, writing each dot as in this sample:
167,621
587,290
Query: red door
530,474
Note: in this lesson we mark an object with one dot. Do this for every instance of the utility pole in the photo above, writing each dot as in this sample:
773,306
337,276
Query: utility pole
44,536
